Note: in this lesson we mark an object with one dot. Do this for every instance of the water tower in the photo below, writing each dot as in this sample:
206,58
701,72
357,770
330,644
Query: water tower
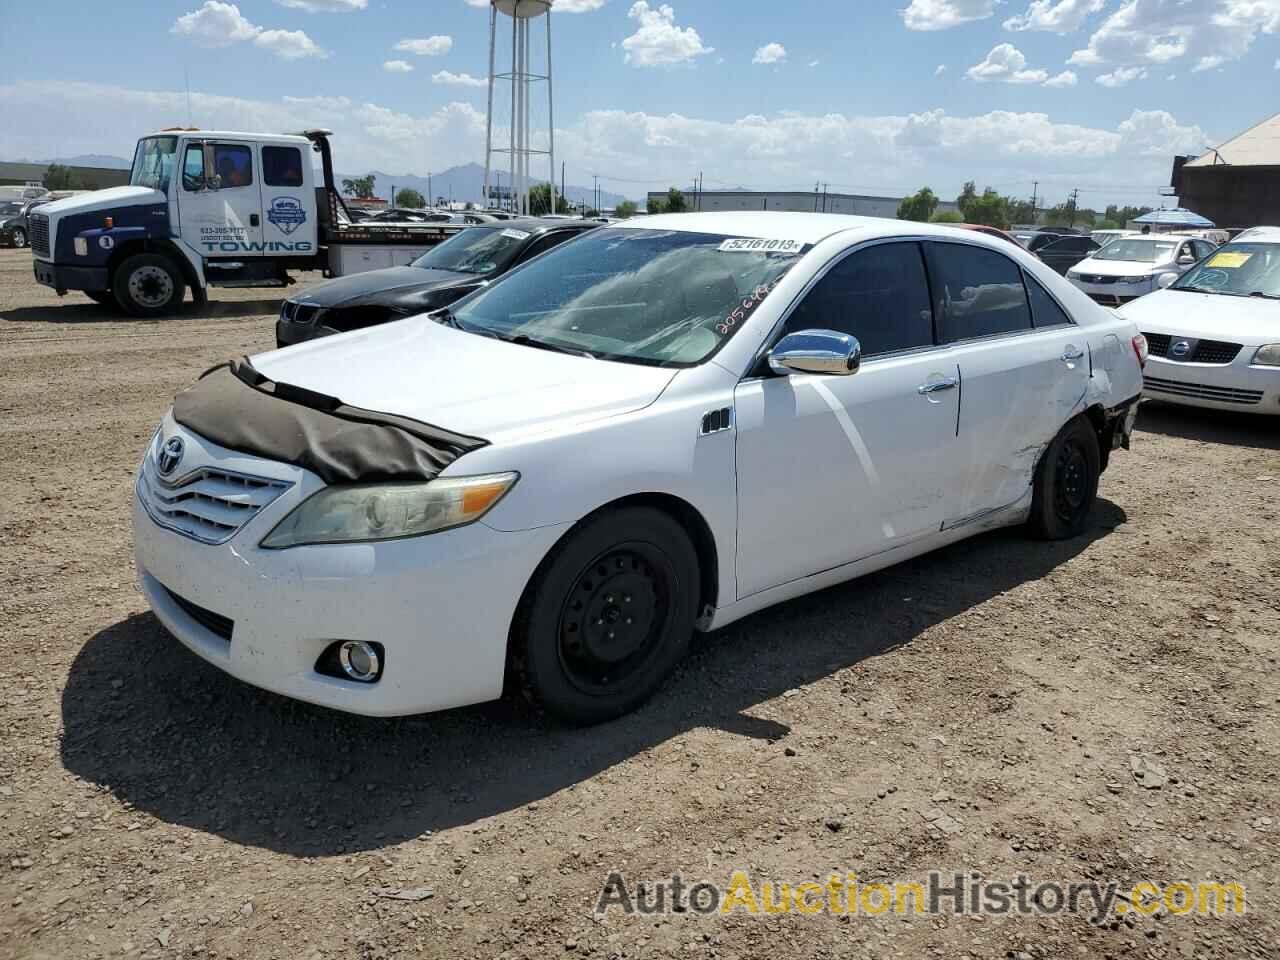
519,149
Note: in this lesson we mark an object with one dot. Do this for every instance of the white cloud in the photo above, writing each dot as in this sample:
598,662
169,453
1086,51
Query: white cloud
945,14
325,6
578,6
218,24
397,66
1005,64
1121,76
814,63
941,69
449,79
1150,32
657,40
1067,78
770,53
426,46
1055,16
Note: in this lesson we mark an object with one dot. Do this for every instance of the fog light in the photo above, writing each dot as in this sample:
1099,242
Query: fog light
359,661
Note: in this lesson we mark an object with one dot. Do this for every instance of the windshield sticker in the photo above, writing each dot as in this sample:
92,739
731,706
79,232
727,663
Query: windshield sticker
515,234
1229,260
756,245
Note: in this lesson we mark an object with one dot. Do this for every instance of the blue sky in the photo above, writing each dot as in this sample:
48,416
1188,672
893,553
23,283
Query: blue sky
878,96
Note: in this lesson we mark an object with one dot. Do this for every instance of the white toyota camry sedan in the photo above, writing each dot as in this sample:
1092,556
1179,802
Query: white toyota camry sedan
1214,335
660,427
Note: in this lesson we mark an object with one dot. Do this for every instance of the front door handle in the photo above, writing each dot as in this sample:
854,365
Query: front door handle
253,220
1071,353
933,386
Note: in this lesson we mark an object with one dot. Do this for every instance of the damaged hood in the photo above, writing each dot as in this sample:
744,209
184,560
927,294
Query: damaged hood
1251,321
464,382
381,286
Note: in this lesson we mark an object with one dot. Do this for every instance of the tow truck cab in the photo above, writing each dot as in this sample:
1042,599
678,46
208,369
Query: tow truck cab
206,208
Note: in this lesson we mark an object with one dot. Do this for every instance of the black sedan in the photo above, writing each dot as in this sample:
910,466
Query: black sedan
13,223
1065,252
445,273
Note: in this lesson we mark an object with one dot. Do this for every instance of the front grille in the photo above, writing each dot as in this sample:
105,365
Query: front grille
299,312
1215,351
1097,278
38,228
208,505
215,623
1158,344
1179,388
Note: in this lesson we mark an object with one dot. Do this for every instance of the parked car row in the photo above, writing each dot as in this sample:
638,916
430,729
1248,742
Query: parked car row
557,478
15,230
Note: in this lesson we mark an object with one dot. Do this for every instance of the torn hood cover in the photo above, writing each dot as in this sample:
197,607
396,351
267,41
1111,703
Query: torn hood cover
464,382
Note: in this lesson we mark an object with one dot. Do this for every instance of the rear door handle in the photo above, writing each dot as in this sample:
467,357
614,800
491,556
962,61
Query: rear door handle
933,386
1071,353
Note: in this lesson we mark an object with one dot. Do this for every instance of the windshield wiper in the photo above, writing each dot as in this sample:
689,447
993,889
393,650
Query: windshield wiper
444,316
1218,290
527,341
1265,296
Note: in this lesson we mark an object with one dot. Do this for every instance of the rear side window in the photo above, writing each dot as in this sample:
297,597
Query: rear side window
543,244
1045,311
977,292
233,164
282,166
879,295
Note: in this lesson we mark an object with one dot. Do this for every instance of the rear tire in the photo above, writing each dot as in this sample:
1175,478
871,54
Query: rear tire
149,285
609,614
19,238
1066,483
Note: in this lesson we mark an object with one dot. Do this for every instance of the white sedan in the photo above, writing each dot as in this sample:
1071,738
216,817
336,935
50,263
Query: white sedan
662,426
1134,265
1215,334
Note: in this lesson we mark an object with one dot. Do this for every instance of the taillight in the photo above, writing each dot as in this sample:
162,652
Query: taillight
1140,349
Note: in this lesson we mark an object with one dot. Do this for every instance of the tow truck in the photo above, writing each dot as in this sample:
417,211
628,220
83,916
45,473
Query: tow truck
208,208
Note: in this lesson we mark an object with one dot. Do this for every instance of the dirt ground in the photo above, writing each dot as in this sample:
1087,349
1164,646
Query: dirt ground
986,708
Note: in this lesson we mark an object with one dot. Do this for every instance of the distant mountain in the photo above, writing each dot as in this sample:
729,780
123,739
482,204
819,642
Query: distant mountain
102,160
465,183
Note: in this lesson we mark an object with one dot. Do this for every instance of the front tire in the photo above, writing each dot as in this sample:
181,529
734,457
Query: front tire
19,238
1066,482
609,614
149,285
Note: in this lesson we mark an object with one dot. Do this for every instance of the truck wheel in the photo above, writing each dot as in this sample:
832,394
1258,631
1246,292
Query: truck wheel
149,285
1066,483
19,237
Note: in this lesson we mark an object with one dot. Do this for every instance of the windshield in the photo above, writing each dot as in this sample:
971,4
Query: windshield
153,163
1238,269
9,209
658,297
1138,249
475,250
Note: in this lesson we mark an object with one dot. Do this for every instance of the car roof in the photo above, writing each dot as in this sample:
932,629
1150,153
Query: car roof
1259,235
540,224
775,224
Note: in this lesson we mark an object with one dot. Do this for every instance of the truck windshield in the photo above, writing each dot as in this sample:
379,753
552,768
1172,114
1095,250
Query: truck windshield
153,163
474,250
666,298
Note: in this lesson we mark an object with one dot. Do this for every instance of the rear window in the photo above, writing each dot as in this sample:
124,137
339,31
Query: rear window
977,293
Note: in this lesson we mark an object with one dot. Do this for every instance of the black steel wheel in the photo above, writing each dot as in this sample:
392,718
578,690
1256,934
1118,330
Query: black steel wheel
1066,482
609,614
149,285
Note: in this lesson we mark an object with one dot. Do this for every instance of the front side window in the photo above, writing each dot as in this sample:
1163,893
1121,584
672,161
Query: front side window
879,295
658,297
1138,250
234,165
193,167
977,292
153,163
282,166
1237,269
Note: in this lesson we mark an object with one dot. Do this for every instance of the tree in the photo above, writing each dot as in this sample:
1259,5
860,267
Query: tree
919,206
675,202
1021,211
655,205
540,200
408,197
359,187
988,208
58,177
967,196
947,216
625,209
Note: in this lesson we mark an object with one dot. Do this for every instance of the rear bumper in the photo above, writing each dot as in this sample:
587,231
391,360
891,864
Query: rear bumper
63,278
1238,386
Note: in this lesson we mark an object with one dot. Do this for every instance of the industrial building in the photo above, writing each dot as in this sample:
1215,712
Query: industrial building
1236,184
795,200
93,178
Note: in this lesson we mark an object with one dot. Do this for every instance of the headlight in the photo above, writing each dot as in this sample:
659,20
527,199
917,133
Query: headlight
1268,355
389,511
1072,275
1145,278
81,246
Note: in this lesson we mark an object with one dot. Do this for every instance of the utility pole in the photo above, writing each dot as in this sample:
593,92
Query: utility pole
1035,189
562,196
1075,196
431,199
824,197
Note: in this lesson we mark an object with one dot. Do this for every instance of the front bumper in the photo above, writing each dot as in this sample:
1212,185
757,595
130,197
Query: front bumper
288,332
441,605
63,278
1112,294
1236,386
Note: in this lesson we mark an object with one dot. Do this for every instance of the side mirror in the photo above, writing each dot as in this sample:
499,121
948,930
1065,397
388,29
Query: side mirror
816,351
1166,280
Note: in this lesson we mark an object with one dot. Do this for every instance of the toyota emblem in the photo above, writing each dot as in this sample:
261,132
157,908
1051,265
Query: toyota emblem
170,456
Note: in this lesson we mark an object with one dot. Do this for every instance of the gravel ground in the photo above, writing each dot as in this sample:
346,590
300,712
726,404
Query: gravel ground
988,708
